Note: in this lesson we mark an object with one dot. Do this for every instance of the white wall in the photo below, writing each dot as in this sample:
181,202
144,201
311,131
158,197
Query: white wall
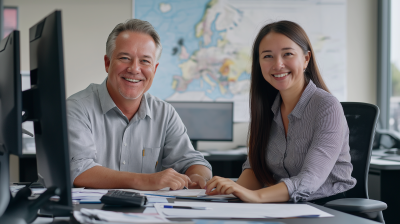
87,23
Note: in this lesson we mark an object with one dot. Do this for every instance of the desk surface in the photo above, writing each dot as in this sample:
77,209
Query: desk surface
339,217
382,164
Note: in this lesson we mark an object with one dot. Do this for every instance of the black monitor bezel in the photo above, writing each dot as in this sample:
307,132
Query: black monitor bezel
209,102
45,105
10,139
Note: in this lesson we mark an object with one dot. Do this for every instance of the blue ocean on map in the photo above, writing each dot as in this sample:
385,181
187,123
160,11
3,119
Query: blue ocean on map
173,26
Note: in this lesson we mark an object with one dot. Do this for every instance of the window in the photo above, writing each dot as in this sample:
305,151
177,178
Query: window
394,117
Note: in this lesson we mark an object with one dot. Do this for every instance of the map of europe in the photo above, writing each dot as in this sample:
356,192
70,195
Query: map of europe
207,47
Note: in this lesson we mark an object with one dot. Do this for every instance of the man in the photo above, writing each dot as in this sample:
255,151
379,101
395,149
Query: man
122,137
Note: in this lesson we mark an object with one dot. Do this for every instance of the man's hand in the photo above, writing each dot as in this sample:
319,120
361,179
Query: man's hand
168,178
199,175
198,182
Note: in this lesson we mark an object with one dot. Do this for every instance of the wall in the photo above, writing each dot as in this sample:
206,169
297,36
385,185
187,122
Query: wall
362,38
87,23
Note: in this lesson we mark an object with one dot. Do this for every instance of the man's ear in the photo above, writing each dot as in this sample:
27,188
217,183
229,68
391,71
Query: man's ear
155,68
106,62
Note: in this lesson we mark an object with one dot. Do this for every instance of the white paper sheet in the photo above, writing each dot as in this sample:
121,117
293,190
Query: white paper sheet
90,216
183,193
240,210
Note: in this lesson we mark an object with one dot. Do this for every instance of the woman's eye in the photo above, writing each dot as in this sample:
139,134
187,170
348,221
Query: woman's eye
288,54
267,56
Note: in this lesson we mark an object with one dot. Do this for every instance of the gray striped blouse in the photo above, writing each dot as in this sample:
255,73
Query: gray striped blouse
314,160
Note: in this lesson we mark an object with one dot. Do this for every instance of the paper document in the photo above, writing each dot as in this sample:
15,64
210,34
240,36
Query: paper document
219,221
184,193
240,210
101,216
88,196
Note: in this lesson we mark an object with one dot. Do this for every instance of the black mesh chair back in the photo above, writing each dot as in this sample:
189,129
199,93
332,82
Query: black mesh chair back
361,119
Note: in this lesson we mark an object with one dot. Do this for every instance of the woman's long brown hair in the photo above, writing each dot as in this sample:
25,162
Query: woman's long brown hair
262,96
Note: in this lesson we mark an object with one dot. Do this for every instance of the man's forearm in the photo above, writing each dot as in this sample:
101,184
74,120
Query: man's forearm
105,178
200,170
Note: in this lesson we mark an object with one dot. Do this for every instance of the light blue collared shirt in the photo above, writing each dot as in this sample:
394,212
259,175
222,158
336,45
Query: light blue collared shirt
101,135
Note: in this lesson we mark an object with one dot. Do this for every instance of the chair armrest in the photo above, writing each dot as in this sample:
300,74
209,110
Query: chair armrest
356,205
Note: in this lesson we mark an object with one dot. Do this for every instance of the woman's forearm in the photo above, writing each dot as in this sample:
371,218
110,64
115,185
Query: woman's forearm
276,193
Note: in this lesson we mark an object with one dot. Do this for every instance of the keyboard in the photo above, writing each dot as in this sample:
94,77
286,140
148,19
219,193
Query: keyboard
123,198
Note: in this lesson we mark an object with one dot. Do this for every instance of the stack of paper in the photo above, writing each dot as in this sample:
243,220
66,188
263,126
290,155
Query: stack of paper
88,195
239,210
196,194
101,216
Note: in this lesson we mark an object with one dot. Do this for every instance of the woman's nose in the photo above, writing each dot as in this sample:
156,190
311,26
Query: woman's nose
278,64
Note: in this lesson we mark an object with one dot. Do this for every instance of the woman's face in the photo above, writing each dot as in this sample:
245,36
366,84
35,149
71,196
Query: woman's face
282,62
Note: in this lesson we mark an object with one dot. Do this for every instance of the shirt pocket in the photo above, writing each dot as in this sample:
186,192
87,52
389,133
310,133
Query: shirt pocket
150,159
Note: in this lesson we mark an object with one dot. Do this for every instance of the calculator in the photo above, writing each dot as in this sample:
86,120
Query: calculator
123,198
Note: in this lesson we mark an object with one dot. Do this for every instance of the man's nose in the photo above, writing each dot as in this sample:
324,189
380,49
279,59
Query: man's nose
134,67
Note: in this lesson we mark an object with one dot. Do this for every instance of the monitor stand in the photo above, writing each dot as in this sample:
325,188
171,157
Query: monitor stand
20,209
194,143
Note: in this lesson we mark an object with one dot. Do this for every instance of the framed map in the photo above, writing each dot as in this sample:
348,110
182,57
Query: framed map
207,45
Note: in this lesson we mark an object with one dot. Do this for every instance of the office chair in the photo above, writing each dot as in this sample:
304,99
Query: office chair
361,119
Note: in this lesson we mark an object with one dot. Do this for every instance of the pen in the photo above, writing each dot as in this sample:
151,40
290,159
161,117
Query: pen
160,195
186,207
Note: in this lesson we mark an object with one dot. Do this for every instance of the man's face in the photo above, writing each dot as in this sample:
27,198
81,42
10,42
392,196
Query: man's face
132,66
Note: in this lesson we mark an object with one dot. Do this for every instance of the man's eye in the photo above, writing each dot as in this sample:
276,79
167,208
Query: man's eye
124,58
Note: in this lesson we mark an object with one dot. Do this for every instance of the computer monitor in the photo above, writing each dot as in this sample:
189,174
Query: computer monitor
44,104
206,121
10,111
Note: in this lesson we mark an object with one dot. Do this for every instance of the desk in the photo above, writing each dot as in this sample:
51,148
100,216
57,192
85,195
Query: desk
384,185
384,178
339,217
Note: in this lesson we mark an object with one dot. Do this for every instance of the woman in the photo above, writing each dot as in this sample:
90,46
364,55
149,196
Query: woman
298,135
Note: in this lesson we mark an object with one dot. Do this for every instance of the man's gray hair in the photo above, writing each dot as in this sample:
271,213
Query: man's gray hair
134,25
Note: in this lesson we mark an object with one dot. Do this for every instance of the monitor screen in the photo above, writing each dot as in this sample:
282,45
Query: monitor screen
10,110
44,104
207,121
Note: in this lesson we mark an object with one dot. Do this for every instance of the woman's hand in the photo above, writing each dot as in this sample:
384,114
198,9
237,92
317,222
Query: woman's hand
227,186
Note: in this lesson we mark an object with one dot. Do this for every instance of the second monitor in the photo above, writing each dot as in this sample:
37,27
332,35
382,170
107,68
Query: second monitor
206,121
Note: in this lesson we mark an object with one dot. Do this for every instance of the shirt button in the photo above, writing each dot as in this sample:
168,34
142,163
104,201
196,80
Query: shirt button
123,162
124,144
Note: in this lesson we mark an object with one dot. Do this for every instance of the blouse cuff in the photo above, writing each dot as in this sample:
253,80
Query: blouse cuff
289,185
295,194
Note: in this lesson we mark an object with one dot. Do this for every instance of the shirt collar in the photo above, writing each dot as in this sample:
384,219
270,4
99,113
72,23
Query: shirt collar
144,108
105,99
301,105
107,103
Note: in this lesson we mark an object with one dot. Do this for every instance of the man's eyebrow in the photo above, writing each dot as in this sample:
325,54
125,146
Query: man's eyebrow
122,53
147,56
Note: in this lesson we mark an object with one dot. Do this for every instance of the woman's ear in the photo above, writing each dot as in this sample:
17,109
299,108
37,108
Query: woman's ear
307,57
